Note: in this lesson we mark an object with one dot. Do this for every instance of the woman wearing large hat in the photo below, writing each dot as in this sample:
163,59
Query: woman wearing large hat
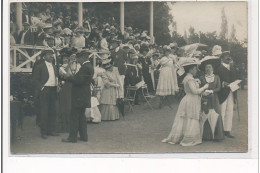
167,83
212,122
186,126
109,95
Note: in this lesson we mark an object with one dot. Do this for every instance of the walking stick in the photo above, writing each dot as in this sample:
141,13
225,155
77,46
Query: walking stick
238,110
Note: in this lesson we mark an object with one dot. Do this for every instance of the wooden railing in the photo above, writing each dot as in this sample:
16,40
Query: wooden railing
22,57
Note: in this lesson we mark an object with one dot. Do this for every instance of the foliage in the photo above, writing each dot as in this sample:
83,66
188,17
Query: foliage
224,25
178,39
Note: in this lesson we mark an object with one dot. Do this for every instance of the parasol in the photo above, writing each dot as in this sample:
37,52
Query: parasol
190,49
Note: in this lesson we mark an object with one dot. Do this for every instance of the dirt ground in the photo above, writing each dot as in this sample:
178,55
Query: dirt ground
139,132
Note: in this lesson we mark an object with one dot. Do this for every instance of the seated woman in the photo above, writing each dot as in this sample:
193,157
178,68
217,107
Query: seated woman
213,126
108,108
186,128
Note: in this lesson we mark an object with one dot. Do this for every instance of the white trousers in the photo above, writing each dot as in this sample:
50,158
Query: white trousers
121,80
227,112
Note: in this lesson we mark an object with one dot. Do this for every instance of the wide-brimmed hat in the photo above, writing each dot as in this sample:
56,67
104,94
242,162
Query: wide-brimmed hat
216,50
79,29
197,53
83,53
183,61
132,51
166,48
213,60
143,35
173,45
46,51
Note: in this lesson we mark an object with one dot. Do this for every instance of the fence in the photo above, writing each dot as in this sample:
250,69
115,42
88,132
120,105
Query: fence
22,57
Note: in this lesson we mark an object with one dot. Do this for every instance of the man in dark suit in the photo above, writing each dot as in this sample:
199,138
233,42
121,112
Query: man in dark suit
227,74
119,58
45,78
81,97
26,36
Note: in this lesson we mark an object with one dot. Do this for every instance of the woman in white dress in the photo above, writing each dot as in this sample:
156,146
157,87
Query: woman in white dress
186,128
167,83
78,41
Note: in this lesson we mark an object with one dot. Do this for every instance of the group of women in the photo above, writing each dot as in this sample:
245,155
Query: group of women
198,115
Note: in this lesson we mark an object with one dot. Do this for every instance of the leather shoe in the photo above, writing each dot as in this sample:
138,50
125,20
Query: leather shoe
43,136
84,140
53,134
68,141
227,134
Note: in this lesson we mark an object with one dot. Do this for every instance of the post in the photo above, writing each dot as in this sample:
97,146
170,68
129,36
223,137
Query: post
122,17
151,21
19,17
80,13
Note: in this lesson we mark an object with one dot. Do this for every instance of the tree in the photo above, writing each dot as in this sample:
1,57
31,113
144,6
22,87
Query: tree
185,36
193,36
233,34
224,26
178,39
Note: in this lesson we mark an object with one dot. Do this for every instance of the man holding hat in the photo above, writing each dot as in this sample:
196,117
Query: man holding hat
227,75
45,78
80,97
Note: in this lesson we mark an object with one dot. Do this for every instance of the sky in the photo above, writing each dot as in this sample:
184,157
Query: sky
206,16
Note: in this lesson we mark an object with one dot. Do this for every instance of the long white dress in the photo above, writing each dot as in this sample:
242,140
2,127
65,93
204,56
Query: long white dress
186,128
167,83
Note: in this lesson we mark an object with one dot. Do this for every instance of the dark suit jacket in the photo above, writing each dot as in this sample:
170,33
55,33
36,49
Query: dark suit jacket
119,58
131,77
40,76
29,37
80,92
228,76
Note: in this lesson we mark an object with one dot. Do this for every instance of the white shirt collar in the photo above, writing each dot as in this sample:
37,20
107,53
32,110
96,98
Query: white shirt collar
85,62
226,65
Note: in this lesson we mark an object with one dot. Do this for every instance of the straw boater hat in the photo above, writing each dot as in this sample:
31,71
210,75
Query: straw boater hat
66,31
46,51
82,53
213,60
224,54
173,45
216,50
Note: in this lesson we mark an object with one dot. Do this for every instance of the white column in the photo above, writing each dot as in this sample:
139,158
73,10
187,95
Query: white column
151,21
80,13
122,17
19,18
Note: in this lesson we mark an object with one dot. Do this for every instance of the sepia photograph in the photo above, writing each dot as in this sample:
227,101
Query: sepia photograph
154,77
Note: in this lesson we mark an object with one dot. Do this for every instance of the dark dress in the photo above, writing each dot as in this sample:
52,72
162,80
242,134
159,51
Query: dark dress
213,103
146,62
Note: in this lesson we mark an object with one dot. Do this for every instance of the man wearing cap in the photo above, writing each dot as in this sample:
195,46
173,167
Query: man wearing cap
227,75
45,78
80,97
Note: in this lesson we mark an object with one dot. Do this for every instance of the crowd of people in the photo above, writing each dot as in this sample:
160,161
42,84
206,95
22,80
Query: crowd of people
71,90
